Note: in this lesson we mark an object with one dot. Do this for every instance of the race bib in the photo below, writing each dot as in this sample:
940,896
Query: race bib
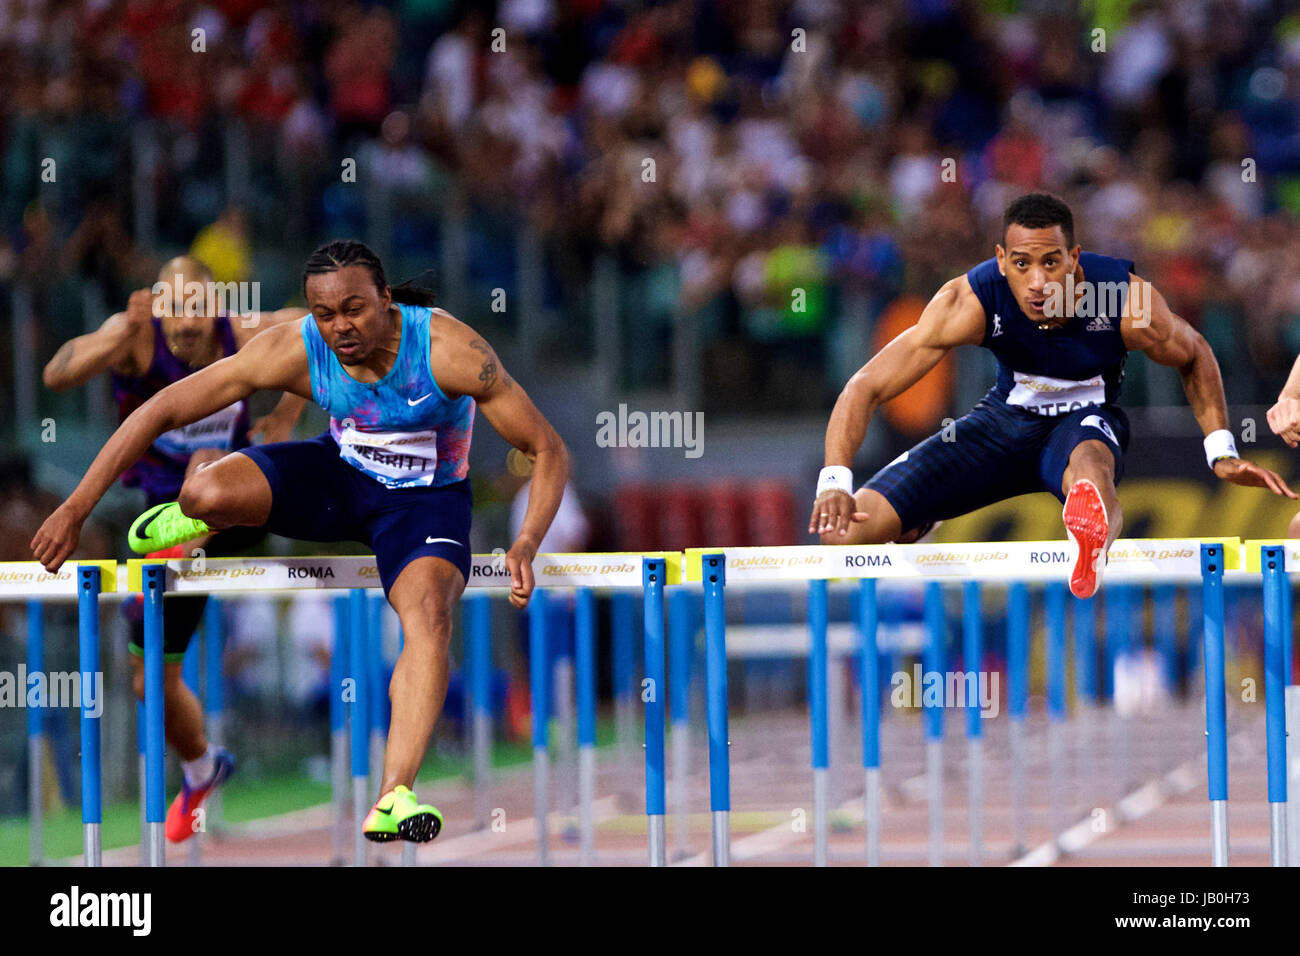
396,459
1043,395
215,431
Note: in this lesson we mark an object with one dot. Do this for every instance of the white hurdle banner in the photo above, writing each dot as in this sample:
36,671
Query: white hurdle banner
1170,560
1165,561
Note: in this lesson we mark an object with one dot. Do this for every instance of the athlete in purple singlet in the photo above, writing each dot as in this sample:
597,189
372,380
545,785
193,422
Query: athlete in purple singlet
145,349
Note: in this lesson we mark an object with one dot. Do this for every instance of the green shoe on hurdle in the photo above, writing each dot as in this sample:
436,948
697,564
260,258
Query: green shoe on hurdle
163,526
396,815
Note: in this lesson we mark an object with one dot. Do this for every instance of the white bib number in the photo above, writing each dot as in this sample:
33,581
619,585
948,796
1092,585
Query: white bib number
1043,395
395,459
215,431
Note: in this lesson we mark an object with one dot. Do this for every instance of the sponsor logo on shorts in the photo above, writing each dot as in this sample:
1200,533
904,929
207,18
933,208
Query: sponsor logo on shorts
1096,421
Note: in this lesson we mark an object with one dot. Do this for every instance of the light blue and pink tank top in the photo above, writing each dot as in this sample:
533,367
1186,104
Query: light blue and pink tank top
402,430
161,470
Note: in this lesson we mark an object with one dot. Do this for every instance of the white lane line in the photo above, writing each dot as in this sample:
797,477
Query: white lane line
1131,807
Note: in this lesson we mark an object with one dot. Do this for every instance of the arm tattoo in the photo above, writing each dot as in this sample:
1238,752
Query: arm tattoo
488,373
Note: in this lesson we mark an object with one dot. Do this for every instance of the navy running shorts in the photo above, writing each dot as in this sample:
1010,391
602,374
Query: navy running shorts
317,496
993,453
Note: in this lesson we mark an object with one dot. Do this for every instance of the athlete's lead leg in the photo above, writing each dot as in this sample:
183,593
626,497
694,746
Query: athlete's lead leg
1092,513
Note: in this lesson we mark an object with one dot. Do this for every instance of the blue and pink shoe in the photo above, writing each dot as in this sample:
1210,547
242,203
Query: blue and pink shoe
181,821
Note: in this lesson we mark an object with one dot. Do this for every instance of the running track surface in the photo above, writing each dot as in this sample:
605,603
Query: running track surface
1116,791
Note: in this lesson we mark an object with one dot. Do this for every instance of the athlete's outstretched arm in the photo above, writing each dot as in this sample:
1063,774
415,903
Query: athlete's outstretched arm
114,345
464,364
277,361
1284,417
1167,339
953,317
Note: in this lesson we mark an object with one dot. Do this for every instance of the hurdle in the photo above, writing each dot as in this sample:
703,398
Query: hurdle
1164,561
1016,565
652,573
35,738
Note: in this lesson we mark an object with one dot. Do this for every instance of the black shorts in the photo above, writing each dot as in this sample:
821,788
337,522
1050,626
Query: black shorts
317,496
993,453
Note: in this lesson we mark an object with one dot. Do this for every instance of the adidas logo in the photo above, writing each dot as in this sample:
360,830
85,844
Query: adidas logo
1100,324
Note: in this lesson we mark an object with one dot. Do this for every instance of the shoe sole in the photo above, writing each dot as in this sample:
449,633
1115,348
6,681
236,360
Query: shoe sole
1088,527
419,827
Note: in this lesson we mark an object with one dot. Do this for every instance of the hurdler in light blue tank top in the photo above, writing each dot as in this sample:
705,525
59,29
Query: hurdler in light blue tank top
402,431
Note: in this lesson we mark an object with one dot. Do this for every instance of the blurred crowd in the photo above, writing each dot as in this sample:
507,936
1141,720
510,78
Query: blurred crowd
727,153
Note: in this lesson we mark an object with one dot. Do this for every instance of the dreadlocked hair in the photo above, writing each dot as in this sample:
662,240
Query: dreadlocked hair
339,253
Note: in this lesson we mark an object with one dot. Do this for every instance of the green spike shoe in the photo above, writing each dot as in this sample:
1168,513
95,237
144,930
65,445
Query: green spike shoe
396,815
163,526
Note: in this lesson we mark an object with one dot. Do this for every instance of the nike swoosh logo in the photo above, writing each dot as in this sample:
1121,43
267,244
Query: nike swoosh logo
387,813
145,527
418,400
436,540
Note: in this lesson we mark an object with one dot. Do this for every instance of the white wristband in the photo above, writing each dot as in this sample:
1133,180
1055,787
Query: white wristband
1219,444
835,478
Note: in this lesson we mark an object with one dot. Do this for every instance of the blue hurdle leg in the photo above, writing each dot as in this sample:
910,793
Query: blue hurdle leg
817,702
1273,563
869,653
680,651
653,695
972,658
154,579
35,738
88,627
585,676
715,689
1216,718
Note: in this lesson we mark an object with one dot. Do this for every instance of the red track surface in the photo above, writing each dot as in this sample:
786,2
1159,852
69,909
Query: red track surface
1100,759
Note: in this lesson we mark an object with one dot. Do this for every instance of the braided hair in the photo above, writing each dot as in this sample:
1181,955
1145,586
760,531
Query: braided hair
338,253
